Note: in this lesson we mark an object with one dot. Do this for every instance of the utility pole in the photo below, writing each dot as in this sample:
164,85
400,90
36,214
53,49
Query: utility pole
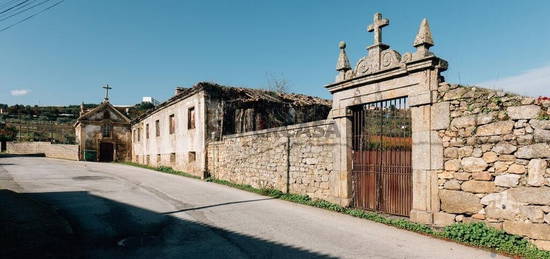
19,134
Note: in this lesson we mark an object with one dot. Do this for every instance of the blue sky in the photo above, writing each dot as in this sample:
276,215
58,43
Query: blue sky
147,48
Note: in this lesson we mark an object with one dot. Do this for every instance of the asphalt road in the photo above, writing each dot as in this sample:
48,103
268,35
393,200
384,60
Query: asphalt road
118,211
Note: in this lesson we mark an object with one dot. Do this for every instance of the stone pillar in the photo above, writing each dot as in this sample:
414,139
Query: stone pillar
427,159
341,179
82,142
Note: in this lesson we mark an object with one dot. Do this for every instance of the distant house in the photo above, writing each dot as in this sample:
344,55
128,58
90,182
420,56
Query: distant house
175,133
148,99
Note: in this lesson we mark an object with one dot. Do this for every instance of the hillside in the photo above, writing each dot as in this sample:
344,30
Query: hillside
50,123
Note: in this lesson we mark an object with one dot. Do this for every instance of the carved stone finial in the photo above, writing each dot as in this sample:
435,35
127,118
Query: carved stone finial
423,40
342,44
343,62
376,27
342,65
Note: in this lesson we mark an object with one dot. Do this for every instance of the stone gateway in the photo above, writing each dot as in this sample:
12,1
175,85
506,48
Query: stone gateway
381,76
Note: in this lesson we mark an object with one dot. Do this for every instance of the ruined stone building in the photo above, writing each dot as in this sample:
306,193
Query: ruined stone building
176,132
103,134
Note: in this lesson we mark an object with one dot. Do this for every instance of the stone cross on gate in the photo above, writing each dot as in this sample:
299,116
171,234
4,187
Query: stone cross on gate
107,88
376,27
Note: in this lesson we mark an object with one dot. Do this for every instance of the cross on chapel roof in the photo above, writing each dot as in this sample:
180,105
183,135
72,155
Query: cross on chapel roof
107,88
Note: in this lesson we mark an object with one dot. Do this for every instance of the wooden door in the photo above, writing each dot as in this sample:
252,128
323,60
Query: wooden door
382,168
106,152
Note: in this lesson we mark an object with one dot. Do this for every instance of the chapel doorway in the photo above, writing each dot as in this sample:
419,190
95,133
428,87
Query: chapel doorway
106,152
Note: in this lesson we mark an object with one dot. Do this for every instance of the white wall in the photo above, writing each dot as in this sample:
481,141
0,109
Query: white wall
182,142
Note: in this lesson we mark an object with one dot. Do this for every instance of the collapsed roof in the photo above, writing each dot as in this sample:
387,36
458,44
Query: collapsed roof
242,95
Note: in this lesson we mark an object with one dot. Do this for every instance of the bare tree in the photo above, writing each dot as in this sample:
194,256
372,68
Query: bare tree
277,83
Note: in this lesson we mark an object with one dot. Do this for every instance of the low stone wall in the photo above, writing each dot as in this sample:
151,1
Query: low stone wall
62,151
496,156
297,158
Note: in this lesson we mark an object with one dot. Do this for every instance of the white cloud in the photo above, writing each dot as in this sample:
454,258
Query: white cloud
20,92
534,82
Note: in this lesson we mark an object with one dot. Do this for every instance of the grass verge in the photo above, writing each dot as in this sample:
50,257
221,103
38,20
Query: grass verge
474,234
163,169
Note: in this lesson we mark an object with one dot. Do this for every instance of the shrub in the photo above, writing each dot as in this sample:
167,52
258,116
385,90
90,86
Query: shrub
479,234
163,169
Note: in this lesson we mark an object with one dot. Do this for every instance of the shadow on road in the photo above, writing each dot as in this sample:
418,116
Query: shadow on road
216,205
30,229
22,155
84,225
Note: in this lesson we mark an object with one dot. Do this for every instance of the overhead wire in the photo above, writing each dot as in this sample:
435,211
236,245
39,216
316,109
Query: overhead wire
24,10
8,3
15,6
30,16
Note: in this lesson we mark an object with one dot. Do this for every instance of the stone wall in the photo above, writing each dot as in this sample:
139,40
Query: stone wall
61,151
496,152
297,158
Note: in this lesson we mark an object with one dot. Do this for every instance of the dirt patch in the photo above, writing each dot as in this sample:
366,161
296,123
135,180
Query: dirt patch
90,178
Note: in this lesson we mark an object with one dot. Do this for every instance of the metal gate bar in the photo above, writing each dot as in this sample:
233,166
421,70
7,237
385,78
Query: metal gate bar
382,171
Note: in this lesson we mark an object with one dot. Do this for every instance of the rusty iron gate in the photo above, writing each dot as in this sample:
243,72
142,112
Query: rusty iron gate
382,171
